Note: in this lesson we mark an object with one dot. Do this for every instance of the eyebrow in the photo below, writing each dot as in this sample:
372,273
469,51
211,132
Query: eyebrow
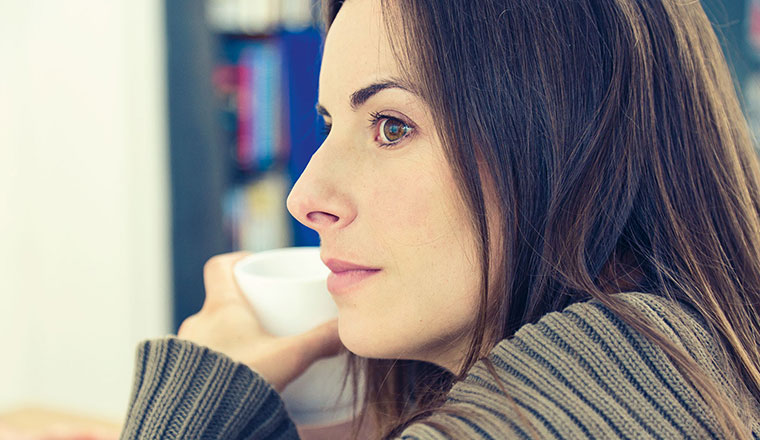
361,96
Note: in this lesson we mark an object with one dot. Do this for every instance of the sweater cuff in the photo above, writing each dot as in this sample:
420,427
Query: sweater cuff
184,390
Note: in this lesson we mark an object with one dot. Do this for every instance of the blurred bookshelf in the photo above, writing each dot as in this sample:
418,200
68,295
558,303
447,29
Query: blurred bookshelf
242,81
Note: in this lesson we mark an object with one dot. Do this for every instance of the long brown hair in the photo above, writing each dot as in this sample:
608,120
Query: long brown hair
611,138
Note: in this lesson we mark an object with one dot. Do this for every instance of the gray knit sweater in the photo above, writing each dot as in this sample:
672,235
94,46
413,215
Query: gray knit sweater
575,374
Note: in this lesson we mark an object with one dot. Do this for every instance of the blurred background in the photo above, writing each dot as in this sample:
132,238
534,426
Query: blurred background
138,139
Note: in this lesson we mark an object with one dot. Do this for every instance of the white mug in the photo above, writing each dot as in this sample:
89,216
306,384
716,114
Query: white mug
288,290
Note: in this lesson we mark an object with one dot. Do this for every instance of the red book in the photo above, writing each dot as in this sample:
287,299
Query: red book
245,118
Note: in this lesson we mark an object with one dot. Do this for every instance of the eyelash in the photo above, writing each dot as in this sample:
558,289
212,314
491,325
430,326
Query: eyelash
375,118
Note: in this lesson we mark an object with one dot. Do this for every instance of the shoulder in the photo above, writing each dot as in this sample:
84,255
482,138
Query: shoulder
583,372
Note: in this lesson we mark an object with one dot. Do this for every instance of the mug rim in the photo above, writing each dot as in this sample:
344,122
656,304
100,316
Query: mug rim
240,272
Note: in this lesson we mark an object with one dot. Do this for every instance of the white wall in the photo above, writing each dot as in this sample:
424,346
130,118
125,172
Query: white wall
84,227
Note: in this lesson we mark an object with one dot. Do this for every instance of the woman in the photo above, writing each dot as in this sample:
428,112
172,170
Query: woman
555,204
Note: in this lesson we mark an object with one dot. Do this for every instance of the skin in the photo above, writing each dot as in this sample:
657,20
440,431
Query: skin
395,207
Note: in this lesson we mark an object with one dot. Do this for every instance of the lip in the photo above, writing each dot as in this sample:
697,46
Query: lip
346,276
339,266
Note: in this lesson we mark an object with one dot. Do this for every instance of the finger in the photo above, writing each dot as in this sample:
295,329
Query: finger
320,342
219,278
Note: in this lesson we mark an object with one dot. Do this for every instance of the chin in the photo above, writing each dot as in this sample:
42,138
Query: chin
367,343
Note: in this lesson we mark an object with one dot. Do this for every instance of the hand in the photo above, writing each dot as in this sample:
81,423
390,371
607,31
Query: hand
227,323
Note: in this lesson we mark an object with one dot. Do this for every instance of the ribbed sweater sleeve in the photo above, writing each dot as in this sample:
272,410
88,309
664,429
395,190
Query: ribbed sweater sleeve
185,391
581,373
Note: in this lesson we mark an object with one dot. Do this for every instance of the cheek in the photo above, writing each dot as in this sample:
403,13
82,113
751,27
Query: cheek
414,209
404,214
418,221
414,221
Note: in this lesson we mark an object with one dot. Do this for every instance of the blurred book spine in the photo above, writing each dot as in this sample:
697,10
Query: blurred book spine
260,94
266,80
250,82
260,16
255,215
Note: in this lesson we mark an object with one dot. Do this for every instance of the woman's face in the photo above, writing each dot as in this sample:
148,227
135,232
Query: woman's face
381,195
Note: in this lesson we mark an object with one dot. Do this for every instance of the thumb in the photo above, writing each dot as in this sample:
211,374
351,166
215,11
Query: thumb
320,342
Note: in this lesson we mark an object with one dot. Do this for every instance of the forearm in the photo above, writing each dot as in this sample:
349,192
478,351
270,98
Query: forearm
183,390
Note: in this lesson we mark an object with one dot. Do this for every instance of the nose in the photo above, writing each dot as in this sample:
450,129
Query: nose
319,199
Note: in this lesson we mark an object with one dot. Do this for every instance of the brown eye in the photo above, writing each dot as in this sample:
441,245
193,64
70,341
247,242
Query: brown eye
393,130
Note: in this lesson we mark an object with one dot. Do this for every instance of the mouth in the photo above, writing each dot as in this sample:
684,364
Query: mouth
346,276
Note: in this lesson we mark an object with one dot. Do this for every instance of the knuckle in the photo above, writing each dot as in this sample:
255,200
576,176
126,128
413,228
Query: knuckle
213,263
219,261
187,324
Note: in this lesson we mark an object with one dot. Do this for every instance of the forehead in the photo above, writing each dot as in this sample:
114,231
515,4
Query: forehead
357,51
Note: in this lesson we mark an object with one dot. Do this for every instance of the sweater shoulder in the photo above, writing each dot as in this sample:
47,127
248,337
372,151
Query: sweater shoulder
584,373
